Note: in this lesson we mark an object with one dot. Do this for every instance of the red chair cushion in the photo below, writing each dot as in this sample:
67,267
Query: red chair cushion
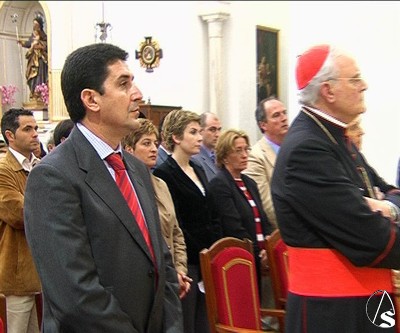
236,288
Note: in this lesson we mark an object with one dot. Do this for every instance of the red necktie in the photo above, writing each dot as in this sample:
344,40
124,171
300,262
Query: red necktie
121,178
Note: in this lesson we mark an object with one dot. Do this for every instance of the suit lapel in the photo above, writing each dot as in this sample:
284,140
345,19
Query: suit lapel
148,207
101,182
182,178
208,162
201,175
269,153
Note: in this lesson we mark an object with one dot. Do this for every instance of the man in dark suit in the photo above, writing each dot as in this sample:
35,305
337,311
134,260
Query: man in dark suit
341,244
97,272
211,130
163,152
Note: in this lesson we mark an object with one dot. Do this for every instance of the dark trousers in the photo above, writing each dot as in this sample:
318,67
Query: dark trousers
194,305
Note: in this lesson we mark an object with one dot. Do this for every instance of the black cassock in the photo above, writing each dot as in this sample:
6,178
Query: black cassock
318,194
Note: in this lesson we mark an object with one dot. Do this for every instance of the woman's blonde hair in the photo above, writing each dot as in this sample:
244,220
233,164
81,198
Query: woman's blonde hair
175,123
226,142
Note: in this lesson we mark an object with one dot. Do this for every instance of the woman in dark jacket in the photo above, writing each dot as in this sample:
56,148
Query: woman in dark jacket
187,184
234,197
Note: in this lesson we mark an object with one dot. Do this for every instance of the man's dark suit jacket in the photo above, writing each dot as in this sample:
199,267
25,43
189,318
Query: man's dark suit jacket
204,160
191,207
230,206
96,271
162,155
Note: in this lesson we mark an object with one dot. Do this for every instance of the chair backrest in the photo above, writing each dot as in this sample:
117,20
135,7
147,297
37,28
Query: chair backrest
3,314
279,267
230,282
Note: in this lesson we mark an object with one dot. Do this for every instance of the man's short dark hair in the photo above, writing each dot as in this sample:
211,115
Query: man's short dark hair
10,120
62,130
87,68
260,112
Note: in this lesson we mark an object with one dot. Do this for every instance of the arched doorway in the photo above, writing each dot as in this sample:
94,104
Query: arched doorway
16,23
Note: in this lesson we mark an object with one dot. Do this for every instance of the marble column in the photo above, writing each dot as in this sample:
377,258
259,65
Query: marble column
216,78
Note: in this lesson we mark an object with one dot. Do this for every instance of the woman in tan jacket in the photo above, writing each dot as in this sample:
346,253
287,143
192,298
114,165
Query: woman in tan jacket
143,143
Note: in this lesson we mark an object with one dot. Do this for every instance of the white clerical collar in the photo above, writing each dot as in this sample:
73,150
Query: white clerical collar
322,114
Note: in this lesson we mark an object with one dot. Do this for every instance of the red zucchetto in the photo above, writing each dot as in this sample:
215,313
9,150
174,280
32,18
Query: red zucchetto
309,63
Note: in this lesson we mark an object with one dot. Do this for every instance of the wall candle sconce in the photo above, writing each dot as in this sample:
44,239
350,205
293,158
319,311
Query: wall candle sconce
102,28
149,54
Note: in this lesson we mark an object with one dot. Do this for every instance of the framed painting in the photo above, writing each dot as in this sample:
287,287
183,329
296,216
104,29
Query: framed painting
267,62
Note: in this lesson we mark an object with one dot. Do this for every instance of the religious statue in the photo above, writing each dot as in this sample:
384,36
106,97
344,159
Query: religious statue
37,60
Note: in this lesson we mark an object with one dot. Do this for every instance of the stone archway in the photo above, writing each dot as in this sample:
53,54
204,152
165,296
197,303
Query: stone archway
16,22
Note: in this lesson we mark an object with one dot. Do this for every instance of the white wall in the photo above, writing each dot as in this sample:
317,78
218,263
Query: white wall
371,32
176,26
240,51
182,78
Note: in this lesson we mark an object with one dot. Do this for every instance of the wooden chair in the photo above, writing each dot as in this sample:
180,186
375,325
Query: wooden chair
278,266
230,283
396,284
3,314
